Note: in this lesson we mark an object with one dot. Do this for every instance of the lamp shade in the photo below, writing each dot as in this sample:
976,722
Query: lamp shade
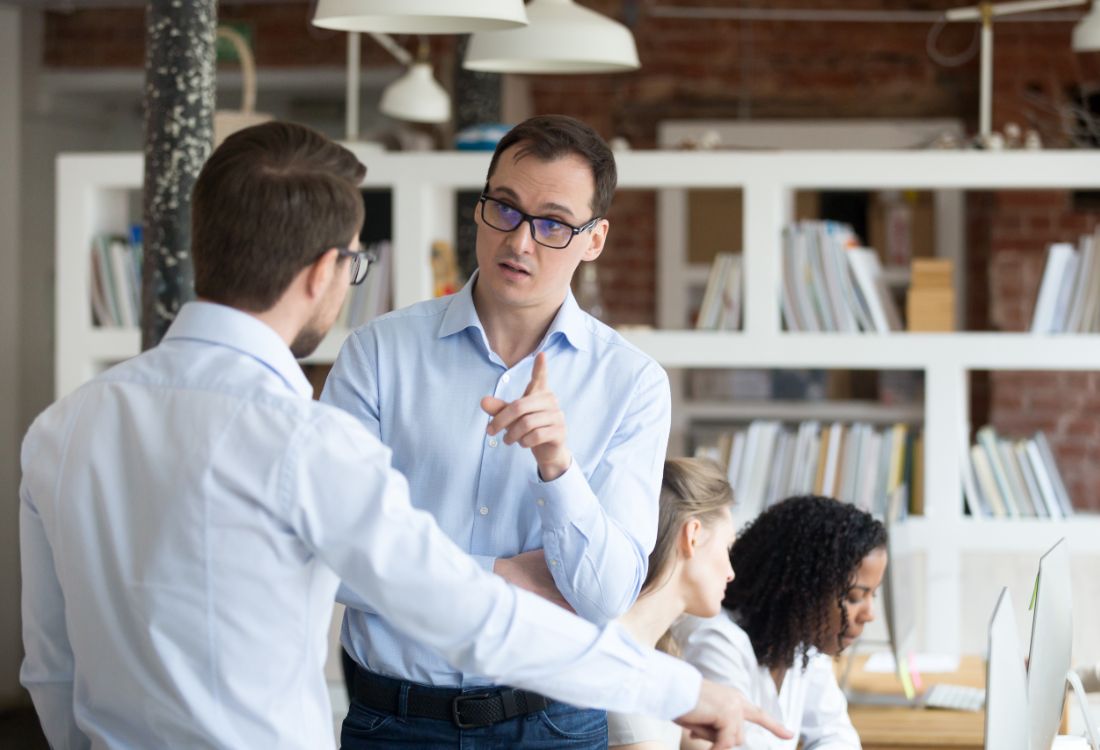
1086,34
561,37
416,97
419,16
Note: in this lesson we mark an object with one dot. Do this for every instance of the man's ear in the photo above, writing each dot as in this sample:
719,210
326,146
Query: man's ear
318,274
688,539
599,238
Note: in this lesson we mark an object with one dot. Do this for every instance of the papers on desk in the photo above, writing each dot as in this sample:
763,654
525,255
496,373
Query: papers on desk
883,661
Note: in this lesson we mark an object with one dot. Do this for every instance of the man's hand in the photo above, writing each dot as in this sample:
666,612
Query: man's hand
720,717
534,421
528,570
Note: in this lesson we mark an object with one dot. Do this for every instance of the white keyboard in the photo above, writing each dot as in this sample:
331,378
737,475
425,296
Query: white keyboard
954,697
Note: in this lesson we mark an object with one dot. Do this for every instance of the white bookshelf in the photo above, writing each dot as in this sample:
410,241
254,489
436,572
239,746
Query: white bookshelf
95,192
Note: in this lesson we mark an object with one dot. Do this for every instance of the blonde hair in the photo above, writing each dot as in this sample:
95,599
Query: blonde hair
690,488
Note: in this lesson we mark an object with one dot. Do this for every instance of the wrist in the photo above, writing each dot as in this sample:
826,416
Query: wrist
551,470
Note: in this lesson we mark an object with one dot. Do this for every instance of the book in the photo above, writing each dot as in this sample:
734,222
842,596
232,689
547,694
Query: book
867,272
1064,503
987,438
1060,257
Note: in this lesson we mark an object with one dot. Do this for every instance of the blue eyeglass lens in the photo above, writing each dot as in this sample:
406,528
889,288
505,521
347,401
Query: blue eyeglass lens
552,232
503,214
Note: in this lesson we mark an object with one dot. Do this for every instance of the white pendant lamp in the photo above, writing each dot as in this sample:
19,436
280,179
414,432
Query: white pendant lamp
416,97
1086,34
420,16
561,37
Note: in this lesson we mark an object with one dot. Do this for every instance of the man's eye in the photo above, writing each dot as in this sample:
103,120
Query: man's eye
506,210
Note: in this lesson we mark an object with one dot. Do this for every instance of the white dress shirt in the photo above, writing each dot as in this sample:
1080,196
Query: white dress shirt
809,703
184,517
415,378
631,729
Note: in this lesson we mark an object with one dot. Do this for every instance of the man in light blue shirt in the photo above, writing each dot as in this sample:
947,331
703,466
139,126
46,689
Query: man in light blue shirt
473,393
185,515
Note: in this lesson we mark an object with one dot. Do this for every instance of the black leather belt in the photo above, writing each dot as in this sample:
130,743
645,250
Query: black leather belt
466,710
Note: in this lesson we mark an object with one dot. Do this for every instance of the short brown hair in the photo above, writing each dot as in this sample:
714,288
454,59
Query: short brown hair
550,137
266,204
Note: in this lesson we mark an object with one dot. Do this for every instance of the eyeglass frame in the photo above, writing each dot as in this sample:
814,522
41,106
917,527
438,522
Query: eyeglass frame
530,220
368,255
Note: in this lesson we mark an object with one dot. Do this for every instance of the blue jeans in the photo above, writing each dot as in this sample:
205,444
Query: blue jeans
558,726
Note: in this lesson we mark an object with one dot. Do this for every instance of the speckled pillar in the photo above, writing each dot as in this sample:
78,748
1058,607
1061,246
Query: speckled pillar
476,102
179,134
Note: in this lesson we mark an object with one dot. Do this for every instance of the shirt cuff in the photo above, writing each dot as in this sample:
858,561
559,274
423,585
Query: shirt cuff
562,501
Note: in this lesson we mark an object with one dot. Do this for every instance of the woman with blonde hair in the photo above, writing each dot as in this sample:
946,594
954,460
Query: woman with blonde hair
688,572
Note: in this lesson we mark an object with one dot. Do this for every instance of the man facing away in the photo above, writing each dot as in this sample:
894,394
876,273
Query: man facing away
184,516
572,518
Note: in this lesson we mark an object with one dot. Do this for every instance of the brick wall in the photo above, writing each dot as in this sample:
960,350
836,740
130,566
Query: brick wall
729,69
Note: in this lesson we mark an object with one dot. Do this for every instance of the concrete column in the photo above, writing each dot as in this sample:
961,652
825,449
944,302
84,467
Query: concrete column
179,134
477,100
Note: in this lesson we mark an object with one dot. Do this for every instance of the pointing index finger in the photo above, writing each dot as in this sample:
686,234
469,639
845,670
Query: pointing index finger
538,375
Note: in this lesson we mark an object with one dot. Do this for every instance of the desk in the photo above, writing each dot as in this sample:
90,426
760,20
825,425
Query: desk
899,728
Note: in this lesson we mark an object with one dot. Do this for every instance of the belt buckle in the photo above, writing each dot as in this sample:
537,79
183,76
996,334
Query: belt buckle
456,709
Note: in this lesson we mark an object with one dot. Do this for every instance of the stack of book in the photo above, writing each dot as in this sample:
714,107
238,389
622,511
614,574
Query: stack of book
1069,294
371,298
1006,478
721,306
830,283
116,280
857,463
930,305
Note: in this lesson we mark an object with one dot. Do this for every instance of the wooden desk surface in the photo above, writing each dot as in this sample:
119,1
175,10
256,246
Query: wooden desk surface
900,728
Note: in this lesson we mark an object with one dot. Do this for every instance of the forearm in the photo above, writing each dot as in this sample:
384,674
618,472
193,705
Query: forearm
597,564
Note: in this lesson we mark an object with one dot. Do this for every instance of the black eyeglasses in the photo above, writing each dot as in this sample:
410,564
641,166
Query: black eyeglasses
546,232
361,261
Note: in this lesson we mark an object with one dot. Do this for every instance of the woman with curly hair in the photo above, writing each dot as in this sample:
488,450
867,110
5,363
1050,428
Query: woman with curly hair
807,571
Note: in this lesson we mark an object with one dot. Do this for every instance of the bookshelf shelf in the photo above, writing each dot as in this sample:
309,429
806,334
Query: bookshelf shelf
798,410
986,351
95,194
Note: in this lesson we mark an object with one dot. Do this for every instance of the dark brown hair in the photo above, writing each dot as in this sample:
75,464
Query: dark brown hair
550,137
266,204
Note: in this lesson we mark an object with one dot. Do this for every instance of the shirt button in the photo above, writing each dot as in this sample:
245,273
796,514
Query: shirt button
492,442
540,502
484,511
505,378
553,563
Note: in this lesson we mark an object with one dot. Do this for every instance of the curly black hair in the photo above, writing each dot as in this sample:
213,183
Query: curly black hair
792,563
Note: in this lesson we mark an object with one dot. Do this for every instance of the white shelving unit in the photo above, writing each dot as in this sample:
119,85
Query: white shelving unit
95,192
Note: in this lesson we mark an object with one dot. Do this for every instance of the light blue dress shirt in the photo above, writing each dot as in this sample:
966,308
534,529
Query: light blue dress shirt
415,377
183,519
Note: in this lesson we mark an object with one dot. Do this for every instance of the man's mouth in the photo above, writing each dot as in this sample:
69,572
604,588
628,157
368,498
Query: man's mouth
514,267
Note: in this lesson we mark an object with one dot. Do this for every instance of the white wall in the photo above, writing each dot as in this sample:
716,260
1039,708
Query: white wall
10,130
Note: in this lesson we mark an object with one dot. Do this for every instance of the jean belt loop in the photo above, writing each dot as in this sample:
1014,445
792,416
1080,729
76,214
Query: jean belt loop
403,700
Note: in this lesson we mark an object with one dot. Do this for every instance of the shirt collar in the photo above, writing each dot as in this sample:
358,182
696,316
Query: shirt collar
570,322
227,326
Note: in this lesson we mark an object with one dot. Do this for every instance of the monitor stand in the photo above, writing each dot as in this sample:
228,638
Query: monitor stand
1092,735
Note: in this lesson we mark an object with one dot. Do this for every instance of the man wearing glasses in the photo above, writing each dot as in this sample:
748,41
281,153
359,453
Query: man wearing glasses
473,393
185,515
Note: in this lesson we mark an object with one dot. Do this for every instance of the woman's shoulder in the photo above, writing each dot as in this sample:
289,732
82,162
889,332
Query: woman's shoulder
721,627
718,647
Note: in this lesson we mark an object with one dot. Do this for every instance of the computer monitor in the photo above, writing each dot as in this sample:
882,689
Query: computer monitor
1051,646
1006,707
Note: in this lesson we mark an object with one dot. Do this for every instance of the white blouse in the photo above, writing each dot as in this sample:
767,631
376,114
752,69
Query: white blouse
627,729
809,703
